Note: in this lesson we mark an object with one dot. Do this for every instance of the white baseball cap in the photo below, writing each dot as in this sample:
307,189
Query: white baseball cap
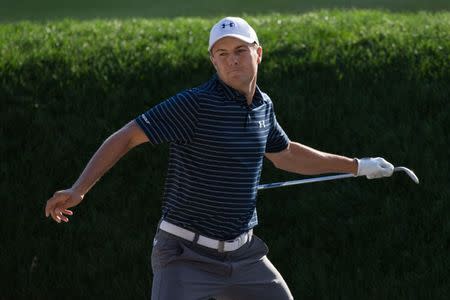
234,27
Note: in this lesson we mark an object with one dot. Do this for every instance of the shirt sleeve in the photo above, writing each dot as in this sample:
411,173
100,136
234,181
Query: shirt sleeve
173,120
277,140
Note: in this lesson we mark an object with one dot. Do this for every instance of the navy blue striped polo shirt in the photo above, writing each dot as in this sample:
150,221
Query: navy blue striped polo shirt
217,146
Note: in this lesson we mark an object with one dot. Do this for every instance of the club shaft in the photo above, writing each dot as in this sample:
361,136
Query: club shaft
302,181
327,178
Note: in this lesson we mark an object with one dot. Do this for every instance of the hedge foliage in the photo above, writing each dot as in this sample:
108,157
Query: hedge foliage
105,55
358,83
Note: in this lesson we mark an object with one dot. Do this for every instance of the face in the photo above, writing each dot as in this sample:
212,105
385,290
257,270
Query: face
236,61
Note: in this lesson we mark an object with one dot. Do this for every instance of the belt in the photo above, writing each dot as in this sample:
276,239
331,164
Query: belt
221,246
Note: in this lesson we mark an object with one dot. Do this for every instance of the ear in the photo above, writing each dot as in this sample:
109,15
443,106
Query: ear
259,51
213,61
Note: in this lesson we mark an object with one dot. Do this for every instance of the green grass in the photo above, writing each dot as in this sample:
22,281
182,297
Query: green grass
51,9
358,83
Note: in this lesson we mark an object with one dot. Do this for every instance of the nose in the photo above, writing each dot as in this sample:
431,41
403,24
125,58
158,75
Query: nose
233,59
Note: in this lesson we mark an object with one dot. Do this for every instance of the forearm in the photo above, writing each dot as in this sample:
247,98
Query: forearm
112,149
306,160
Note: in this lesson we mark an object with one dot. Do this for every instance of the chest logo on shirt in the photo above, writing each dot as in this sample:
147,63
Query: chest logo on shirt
262,124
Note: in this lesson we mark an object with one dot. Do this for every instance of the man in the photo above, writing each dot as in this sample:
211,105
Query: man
219,134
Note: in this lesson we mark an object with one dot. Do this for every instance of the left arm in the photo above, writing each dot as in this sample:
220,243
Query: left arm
298,158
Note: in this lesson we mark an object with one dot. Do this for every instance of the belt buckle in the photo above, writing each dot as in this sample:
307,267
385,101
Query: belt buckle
239,240
221,248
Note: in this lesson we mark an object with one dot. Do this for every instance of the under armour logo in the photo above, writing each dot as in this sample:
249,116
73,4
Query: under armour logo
145,119
231,24
262,124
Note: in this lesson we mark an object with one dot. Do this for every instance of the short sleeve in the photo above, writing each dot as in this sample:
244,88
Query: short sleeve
173,120
277,140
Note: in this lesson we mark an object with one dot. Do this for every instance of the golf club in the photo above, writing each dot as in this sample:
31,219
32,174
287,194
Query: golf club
326,178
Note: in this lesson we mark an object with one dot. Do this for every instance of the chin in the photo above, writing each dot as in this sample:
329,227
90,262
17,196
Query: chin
238,76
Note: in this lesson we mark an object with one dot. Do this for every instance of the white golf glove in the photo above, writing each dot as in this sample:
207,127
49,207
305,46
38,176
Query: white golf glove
374,167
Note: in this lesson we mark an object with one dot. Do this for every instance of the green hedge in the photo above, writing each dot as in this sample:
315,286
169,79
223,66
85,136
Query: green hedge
358,83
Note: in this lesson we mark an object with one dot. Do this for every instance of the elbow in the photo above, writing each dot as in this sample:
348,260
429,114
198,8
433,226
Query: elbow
281,164
281,160
275,164
132,135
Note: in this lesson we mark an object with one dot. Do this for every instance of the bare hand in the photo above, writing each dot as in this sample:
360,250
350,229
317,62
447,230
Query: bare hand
57,206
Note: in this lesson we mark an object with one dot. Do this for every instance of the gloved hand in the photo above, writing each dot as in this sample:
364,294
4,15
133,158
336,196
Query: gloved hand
374,167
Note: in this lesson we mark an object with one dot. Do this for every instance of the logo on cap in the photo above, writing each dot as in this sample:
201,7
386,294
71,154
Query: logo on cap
231,24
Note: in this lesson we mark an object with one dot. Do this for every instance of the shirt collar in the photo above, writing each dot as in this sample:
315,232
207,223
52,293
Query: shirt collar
233,94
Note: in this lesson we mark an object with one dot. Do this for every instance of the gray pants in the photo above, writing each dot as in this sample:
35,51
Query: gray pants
186,271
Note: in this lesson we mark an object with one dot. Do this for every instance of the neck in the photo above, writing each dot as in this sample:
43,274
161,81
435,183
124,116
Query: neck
250,92
247,89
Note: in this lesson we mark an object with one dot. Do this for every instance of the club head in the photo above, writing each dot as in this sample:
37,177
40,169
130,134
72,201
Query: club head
409,172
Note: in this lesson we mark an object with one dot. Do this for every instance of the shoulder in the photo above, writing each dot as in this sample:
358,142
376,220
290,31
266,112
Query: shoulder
182,98
263,96
195,96
206,91
266,99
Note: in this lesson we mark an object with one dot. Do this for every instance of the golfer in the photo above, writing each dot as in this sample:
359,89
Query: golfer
219,134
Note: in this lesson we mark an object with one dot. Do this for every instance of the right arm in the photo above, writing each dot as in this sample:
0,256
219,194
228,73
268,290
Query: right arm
112,149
